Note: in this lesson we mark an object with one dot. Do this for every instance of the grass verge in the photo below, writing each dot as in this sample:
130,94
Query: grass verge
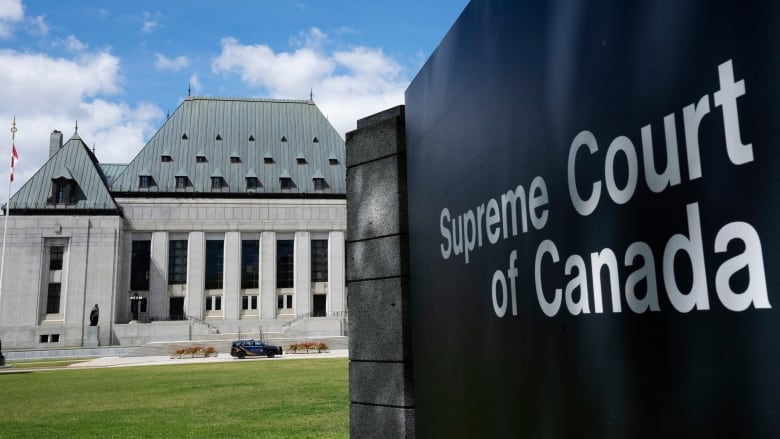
273,399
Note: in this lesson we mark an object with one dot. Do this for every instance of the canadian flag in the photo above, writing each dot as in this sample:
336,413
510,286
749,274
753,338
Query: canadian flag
14,159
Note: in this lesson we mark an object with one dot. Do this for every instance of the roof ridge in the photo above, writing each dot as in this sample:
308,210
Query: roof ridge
239,99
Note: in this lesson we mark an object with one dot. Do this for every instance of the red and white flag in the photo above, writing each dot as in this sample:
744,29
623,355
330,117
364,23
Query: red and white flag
14,159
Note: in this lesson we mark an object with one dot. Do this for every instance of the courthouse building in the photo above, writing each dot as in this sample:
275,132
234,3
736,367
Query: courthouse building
232,218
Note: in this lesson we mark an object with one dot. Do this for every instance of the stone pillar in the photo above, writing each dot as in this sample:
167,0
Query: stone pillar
302,273
336,271
158,279
268,275
196,272
231,281
380,343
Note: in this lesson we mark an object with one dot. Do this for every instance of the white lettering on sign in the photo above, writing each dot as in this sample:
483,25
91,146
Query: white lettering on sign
632,279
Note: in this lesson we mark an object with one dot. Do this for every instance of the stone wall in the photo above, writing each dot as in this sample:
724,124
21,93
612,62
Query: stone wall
380,344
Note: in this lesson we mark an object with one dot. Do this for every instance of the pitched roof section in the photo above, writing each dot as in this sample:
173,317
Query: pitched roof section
74,161
237,121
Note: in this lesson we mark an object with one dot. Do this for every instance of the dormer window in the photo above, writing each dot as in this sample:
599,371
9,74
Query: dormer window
184,136
165,158
251,138
285,180
300,159
217,183
315,140
200,158
144,181
219,137
333,160
268,158
63,188
251,183
63,191
181,182
284,138
234,158
319,181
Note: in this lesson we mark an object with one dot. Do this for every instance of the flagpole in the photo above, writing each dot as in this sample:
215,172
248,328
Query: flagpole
7,209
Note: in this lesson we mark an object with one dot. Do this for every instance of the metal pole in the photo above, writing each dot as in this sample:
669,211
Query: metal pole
7,214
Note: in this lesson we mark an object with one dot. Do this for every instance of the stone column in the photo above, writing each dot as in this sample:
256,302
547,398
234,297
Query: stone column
380,344
336,271
196,271
231,276
302,273
158,279
268,275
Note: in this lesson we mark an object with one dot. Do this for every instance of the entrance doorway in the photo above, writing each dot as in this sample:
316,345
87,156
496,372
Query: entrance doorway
318,305
177,308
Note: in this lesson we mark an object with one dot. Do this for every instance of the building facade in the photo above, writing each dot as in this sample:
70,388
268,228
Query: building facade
231,218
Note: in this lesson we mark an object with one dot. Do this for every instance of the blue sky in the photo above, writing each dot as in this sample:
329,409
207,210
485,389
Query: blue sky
118,67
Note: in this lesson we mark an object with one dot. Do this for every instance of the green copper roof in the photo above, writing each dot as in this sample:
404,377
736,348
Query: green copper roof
251,129
75,163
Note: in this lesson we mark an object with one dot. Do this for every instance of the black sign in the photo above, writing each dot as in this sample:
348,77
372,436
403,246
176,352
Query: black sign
594,210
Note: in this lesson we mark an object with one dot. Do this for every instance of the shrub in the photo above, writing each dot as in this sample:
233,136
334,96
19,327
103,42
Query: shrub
307,346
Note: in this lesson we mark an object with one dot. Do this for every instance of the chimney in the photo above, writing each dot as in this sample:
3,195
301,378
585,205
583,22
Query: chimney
55,143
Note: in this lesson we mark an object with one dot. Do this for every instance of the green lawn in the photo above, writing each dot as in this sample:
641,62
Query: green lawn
250,398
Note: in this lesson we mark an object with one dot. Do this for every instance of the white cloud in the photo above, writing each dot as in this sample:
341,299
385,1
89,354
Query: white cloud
39,25
162,62
47,93
11,13
150,22
347,85
71,44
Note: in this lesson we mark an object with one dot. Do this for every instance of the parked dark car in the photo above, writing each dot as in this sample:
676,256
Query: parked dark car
253,348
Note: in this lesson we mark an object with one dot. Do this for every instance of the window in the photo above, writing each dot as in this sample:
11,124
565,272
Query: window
62,192
216,183
286,183
165,158
248,302
144,181
181,182
315,140
139,265
54,338
284,263
53,298
251,138
284,138
268,160
177,262
251,183
44,338
218,137
284,301
56,255
319,260
214,264
235,159
200,159
214,303
333,161
184,136
250,264
319,184
301,160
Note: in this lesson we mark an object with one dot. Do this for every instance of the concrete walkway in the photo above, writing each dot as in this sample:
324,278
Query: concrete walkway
222,357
